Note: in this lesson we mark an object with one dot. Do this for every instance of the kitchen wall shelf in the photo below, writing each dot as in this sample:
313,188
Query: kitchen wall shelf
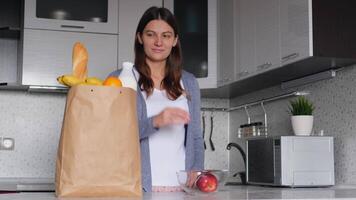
259,102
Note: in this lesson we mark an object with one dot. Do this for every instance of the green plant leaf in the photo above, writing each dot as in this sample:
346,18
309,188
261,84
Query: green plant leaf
301,106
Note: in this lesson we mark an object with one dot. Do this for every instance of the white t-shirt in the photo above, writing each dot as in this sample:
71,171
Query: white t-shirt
167,151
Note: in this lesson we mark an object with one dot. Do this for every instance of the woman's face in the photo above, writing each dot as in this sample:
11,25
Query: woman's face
158,40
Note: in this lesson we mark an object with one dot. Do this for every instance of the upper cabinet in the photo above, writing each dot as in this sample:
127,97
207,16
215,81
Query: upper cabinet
207,39
130,12
226,58
197,21
10,19
10,15
281,40
48,54
296,30
267,34
99,16
51,28
257,36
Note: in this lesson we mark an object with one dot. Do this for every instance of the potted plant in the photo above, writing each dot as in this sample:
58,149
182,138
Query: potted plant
302,116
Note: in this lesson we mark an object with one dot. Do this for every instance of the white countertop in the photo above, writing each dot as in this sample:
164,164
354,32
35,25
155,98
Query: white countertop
226,193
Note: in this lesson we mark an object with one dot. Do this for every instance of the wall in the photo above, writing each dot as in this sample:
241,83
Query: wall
34,120
335,114
219,158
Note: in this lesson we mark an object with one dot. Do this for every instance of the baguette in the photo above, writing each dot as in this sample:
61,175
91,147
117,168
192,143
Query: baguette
80,61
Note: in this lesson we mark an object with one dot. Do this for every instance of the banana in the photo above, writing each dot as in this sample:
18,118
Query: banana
93,81
70,80
59,79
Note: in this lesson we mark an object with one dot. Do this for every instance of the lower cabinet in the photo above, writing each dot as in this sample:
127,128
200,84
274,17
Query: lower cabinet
48,54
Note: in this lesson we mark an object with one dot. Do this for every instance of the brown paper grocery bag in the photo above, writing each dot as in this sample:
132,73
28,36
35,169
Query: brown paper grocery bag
98,153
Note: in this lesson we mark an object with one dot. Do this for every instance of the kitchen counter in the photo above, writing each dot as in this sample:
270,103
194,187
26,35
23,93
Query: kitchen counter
226,193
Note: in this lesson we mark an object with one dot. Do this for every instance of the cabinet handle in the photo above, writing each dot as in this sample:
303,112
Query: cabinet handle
241,74
71,26
264,66
290,56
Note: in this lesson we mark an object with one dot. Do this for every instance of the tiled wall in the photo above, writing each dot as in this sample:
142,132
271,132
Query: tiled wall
217,159
335,114
34,120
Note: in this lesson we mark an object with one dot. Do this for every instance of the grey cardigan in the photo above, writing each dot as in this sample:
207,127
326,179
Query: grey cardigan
194,149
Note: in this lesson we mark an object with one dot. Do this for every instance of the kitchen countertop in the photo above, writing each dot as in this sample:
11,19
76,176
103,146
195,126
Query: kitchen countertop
226,193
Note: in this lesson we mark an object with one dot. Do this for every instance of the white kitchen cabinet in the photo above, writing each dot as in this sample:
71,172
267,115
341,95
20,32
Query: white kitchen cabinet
267,35
98,16
245,38
226,56
130,12
48,54
295,30
257,37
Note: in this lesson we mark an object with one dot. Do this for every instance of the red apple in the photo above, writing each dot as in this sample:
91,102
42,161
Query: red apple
207,182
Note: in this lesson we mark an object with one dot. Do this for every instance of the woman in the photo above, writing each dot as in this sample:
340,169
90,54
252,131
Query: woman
168,104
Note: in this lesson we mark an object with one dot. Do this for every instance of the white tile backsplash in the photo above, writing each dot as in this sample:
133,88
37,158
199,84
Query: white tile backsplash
34,120
217,159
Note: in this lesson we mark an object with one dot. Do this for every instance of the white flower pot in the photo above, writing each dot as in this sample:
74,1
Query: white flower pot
302,124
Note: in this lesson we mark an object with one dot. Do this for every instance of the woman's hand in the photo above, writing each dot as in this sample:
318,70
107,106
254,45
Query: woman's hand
192,177
171,116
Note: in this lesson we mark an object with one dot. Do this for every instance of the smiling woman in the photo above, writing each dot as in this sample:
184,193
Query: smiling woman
168,104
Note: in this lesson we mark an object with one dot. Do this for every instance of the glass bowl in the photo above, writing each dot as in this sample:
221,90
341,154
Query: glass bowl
196,185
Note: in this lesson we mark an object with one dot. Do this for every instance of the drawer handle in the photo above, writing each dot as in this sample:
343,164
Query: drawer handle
264,66
72,26
290,56
241,74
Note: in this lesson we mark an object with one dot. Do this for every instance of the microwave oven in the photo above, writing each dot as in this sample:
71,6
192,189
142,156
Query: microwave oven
292,161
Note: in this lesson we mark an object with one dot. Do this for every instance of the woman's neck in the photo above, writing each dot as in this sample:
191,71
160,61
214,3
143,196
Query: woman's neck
157,73
157,69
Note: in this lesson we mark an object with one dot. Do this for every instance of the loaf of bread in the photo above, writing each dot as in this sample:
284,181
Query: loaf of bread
80,61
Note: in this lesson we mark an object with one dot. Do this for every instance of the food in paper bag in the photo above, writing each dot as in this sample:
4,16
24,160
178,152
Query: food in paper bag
99,148
127,76
80,61
112,81
79,74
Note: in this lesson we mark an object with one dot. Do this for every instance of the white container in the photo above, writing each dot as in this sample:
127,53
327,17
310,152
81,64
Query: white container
302,124
127,76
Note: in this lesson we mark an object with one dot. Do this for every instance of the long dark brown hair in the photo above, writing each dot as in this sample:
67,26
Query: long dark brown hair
173,69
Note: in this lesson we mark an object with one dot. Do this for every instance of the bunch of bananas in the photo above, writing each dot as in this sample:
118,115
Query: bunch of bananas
71,80
80,69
